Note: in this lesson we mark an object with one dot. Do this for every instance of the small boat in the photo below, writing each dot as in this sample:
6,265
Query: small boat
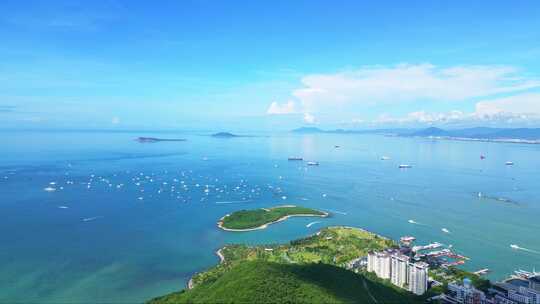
514,246
336,146
405,166
385,157
509,163
294,158
49,189
312,163
445,230
407,239
482,157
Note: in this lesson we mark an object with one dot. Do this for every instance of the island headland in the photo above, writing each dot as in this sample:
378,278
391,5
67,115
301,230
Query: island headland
248,220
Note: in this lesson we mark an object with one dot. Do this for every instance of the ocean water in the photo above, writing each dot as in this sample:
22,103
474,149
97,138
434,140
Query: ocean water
130,221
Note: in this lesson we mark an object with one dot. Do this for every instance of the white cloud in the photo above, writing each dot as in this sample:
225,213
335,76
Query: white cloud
405,83
309,119
287,108
423,117
524,104
523,108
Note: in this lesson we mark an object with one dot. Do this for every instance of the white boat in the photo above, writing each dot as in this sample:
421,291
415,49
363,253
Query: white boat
405,166
385,157
445,230
49,189
295,158
509,163
312,163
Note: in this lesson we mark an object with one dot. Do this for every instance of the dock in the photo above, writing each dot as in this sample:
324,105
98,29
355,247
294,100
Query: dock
482,272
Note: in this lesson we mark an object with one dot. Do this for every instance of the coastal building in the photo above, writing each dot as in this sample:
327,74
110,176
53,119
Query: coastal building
379,262
524,295
466,293
397,267
400,270
516,292
371,261
534,283
418,277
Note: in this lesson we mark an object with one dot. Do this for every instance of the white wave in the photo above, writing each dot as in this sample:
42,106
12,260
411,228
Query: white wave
516,247
311,224
335,211
89,219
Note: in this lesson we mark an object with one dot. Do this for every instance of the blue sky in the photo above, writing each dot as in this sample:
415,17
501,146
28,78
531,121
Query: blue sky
274,65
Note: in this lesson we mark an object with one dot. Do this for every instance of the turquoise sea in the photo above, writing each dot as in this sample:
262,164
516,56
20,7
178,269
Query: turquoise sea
130,221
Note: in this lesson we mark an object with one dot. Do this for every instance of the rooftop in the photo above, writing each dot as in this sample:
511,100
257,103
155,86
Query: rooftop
535,279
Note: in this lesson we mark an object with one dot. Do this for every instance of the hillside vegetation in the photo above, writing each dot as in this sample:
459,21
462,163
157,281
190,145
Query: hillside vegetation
268,282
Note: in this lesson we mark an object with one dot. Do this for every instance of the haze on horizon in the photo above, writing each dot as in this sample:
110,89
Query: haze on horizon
247,66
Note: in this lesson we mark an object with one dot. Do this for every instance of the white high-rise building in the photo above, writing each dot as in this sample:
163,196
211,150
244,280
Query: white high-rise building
383,269
418,277
400,270
371,261
379,262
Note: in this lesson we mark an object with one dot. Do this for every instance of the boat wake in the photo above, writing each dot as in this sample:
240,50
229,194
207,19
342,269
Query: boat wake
89,219
516,247
311,224
335,211
416,223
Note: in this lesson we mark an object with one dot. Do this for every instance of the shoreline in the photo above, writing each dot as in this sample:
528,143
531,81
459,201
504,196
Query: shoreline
219,253
264,226
221,257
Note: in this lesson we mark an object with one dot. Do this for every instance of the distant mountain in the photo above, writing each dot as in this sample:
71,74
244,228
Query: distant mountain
224,135
430,132
527,134
308,130
313,130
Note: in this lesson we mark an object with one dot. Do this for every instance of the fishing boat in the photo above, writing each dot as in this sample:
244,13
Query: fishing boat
509,163
294,158
312,163
405,166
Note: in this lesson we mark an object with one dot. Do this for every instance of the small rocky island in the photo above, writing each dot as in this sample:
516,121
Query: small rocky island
246,220
224,135
155,139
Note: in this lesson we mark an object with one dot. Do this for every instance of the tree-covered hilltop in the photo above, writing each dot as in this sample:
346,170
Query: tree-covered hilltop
268,282
334,245
303,270
251,219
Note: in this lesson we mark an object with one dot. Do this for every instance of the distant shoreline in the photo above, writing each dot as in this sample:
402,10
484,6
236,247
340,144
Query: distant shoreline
505,141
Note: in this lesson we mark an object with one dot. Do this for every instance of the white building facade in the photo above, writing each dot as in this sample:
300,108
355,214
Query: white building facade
397,268
400,270
418,277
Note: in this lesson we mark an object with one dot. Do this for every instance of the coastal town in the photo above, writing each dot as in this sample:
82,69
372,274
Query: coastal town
409,268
